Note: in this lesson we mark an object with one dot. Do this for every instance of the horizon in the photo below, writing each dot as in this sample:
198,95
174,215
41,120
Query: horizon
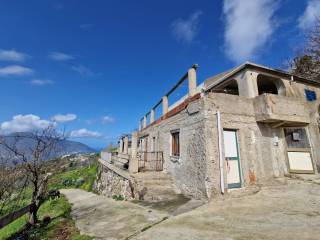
96,68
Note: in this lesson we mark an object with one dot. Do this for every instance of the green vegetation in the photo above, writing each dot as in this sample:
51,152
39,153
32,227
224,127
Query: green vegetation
77,178
14,227
58,211
18,201
118,198
61,225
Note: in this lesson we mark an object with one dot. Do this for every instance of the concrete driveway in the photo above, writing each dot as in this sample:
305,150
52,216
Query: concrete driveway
279,212
105,218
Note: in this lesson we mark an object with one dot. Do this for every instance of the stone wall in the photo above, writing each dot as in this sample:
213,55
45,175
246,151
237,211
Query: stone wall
189,170
262,161
196,172
114,181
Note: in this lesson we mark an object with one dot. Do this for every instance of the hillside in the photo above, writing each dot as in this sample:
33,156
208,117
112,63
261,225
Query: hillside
24,144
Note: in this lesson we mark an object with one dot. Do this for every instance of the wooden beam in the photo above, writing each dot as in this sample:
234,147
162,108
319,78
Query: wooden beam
279,124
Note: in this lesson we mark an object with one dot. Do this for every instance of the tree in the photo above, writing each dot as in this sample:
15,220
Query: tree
31,158
12,181
307,65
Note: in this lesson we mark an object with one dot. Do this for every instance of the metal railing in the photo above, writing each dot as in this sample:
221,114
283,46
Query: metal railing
150,161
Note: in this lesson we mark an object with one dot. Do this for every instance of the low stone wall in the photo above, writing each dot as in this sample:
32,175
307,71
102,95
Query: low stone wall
114,181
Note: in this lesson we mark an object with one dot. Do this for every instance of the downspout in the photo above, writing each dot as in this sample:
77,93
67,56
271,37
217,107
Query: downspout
221,162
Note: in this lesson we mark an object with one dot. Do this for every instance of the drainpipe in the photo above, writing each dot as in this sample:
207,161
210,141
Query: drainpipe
221,162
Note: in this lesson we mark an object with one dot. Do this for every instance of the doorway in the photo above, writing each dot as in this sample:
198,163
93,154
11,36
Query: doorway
231,153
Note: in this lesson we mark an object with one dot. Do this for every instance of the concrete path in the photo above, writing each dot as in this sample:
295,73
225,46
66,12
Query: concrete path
105,218
274,213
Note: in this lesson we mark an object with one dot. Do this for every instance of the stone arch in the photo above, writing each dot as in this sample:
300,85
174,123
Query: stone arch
270,85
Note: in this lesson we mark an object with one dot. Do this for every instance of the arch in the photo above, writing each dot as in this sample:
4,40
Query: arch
270,85
229,87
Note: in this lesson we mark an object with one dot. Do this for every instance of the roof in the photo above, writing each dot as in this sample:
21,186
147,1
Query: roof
217,79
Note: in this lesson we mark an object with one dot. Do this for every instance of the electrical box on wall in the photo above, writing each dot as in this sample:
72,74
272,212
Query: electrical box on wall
296,136
276,141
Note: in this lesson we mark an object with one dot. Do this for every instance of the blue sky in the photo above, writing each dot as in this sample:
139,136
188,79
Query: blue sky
95,67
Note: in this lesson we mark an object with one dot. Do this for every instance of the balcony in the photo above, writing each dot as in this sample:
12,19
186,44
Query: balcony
281,111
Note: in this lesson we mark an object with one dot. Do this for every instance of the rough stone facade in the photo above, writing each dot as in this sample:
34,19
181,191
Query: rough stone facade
257,103
258,119
112,181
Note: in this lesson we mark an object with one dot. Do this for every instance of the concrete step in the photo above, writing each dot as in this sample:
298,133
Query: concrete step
120,165
155,182
152,175
159,186
118,159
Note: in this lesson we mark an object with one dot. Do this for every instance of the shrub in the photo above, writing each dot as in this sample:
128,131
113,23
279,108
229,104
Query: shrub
118,197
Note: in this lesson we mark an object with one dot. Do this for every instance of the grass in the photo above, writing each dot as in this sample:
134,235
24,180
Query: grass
61,226
82,178
13,228
17,202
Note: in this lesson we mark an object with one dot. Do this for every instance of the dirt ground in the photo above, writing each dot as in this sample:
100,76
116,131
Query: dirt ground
290,211
285,211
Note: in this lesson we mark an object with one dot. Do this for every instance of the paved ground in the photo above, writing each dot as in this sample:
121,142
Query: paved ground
290,211
105,218
280,212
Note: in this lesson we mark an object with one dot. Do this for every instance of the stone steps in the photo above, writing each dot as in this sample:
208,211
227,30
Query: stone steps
158,186
120,162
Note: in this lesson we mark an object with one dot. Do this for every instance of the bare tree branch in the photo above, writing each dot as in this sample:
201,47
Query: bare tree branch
31,162
307,64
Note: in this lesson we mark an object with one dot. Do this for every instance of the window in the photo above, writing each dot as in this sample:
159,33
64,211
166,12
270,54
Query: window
153,144
175,144
310,95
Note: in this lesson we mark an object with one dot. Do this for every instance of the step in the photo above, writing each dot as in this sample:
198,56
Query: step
155,182
152,175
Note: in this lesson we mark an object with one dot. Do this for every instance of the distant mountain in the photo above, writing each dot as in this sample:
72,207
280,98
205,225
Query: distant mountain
24,144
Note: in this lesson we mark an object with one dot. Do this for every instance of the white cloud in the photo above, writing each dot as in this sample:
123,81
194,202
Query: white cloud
249,25
185,30
24,123
64,118
12,55
60,56
85,133
82,70
15,70
107,119
310,14
41,82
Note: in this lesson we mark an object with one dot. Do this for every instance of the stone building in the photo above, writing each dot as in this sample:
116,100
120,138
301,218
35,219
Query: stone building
249,125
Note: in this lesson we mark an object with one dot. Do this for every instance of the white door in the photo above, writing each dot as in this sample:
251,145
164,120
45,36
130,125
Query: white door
231,153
